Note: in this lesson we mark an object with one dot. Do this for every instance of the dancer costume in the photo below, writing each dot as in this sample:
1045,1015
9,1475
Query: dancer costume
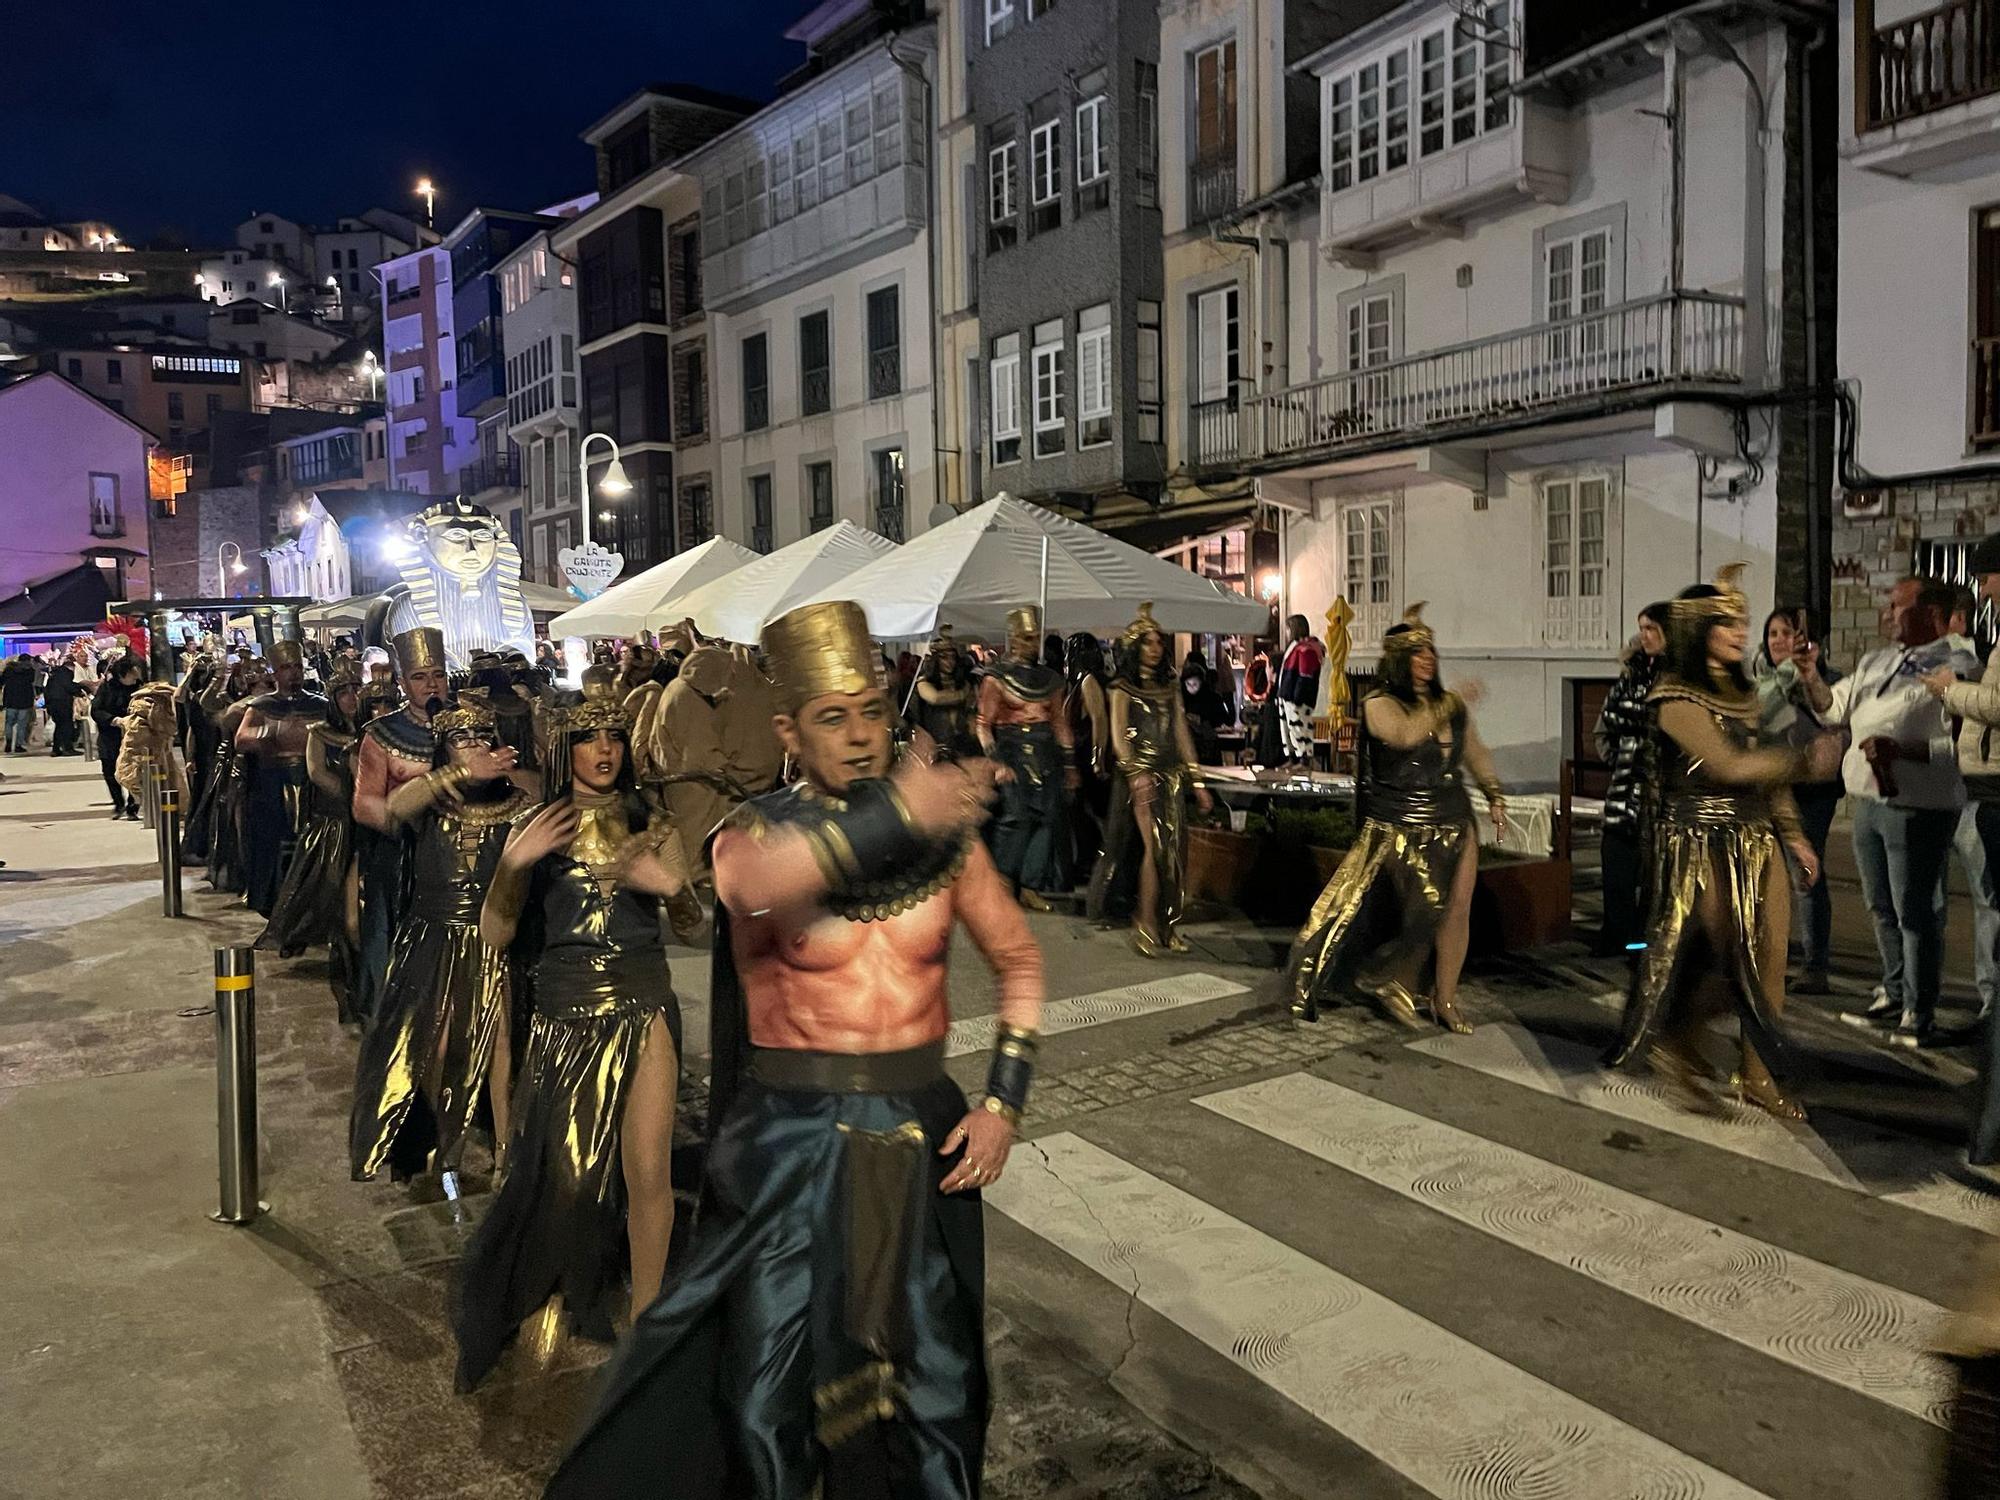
823,1336
1719,802
396,747
950,724
423,1062
222,811
271,743
1024,723
311,909
1374,928
1152,749
554,1240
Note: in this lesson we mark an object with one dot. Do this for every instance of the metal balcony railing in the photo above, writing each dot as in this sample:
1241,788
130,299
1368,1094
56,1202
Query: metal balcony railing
885,373
816,391
1212,187
1677,338
501,472
1928,62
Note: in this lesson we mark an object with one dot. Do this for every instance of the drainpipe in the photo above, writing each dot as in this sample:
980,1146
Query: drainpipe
931,235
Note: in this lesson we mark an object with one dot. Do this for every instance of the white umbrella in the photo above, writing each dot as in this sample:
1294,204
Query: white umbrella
646,600
970,571
736,608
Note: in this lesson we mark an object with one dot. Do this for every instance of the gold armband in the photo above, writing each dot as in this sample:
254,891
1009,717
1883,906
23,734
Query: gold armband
997,1106
508,892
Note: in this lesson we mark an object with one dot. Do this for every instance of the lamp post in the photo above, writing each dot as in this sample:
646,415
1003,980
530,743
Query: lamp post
428,193
613,486
224,570
374,368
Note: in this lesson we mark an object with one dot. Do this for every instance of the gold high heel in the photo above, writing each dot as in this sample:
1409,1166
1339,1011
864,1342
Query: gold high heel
1767,1096
1684,1078
1033,900
1144,946
1397,1003
1445,1013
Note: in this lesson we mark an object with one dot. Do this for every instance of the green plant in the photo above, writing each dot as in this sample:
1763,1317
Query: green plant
1316,827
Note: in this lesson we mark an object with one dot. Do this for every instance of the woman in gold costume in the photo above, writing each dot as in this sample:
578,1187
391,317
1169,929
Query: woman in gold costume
588,1191
1394,920
317,902
1156,764
1720,903
436,1035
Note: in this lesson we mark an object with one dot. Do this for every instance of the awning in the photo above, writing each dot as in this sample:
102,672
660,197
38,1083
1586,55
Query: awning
76,599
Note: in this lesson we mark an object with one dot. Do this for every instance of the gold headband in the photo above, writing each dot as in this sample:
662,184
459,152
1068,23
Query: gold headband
1027,620
1727,602
1415,634
592,715
470,710
818,649
419,650
1143,624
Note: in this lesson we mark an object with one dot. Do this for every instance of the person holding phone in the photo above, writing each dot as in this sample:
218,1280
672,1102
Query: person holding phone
1786,715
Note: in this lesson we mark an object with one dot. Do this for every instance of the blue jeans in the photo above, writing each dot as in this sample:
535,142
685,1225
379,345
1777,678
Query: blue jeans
1901,853
19,722
1980,871
1817,804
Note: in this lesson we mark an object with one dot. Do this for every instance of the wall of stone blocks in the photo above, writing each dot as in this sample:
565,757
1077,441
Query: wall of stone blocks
1870,552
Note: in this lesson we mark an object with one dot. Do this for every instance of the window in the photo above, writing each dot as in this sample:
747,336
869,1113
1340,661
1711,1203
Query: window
1216,351
891,509
805,171
819,496
176,407
104,517
690,391
1045,177
1368,562
1148,382
1048,357
564,470
999,19
684,269
1002,190
1985,420
1093,158
1575,279
1369,320
75,369
1003,376
1434,91
114,372
761,538
1093,376
756,383
815,364
697,514
1576,527
885,343
624,275
1147,171
1212,160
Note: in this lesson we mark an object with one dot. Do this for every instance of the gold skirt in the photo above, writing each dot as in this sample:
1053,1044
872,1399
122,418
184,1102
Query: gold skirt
1731,863
1378,918
1113,882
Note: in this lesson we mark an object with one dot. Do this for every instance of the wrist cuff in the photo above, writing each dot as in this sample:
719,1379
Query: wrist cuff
1011,1072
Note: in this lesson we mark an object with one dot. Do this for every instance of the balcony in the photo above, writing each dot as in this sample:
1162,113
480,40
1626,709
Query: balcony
885,373
1212,186
1926,88
502,471
816,391
1680,340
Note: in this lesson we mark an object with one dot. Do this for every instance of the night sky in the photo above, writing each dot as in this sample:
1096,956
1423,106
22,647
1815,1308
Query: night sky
181,119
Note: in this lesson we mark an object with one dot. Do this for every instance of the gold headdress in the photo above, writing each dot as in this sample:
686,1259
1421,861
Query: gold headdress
591,715
419,650
472,709
1415,636
1027,620
1143,624
599,683
285,654
817,649
1727,602
343,675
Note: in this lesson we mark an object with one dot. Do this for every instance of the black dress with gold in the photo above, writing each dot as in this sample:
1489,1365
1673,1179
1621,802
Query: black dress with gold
311,909
1378,918
423,1061
1152,750
554,1238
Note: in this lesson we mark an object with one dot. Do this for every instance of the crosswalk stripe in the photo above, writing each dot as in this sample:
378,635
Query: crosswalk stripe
1825,1321
1442,1412
1904,1170
1168,992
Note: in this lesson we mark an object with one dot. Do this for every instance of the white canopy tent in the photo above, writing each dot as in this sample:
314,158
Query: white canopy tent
649,600
349,613
970,571
738,606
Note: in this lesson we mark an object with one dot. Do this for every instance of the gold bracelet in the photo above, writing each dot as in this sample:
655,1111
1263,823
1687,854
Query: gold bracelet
994,1105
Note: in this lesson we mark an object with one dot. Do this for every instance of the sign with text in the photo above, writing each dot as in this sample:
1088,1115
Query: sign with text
590,569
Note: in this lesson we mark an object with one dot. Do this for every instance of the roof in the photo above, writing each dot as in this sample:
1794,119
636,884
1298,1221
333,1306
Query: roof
349,506
75,598
683,93
78,391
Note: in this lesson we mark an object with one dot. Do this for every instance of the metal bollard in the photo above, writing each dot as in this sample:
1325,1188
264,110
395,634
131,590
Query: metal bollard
149,812
170,844
236,1084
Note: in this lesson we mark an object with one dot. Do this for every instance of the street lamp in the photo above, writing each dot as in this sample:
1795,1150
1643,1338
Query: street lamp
374,369
429,194
224,570
613,486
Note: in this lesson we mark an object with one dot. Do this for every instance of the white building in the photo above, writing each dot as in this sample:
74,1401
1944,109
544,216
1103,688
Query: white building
1919,313
256,328
274,237
538,330
1489,368
340,543
235,274
343,258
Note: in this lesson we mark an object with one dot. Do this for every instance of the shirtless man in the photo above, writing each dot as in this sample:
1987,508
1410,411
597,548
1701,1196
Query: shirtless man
823,1336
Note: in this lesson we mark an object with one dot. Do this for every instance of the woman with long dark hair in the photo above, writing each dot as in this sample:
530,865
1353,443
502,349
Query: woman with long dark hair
1394,921
1090,745
942,705
1146,832
1719,892
588,1194
1620,736
1786,713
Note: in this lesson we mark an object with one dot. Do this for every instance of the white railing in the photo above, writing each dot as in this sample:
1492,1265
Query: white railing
1674,338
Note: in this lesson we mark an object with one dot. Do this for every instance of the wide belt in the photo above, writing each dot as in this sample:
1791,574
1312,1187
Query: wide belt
848,1072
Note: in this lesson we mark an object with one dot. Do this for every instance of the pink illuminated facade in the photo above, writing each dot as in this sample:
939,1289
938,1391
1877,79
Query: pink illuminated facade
72,487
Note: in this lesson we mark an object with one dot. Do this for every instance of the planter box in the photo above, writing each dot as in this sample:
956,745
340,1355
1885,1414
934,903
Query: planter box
1520,904
1267,879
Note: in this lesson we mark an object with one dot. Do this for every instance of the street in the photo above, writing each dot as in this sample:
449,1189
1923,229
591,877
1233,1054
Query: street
1234,1256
